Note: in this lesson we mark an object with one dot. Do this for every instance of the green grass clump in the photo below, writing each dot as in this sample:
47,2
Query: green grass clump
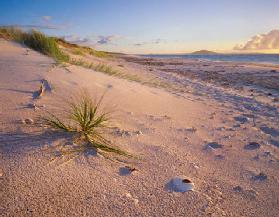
87,123
36,41
44,44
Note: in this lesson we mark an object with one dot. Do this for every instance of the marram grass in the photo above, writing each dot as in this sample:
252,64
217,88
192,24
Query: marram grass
86,122
36,41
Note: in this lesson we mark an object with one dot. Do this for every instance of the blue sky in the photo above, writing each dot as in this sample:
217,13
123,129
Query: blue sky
147,26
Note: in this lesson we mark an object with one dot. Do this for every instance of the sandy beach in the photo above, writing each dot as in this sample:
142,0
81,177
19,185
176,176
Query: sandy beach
212,123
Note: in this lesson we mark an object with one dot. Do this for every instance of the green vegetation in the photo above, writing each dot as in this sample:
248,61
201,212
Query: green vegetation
87,123
35,40
96,53
97,67
77,51
81,50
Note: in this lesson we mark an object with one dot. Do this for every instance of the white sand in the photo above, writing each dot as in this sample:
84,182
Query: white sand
38,181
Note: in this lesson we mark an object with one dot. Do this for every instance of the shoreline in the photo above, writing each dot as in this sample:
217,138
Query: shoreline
168,57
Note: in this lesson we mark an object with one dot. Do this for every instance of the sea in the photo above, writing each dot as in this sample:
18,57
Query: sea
253,58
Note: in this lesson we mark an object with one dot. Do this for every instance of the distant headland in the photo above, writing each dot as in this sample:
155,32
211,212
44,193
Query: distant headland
203,52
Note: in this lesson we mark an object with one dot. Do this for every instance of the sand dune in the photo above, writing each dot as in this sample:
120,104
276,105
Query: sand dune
223,140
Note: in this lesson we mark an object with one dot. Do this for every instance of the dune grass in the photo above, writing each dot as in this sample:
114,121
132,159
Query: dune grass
36,41
97,67
81,50
86,122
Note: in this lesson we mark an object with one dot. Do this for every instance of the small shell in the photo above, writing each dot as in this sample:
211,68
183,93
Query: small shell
179,184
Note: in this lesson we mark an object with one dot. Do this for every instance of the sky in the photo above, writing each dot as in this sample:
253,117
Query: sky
153,26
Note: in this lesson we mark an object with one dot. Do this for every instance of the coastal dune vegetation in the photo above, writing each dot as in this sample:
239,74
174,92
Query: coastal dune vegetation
86,122
48,45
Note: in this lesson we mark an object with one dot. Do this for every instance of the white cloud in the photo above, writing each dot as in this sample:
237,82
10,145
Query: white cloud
92,40
46,18
155,41
77,39
261,42
102,40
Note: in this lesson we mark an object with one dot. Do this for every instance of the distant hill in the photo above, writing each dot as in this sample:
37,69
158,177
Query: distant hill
201,52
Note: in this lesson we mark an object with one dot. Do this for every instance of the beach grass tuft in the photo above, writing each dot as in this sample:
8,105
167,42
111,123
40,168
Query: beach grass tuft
87,123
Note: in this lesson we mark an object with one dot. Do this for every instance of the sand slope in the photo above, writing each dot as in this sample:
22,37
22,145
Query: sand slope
233,179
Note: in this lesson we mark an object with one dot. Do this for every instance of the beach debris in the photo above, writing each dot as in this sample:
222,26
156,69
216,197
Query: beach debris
219,157
213,146
135,200
191,129
267,154
138,132
127,170
167,117
179,184
123,133
109,86
42,89
237,188
252,146
27,52
44,86
27,121
1,173
220,128
241,119
260,177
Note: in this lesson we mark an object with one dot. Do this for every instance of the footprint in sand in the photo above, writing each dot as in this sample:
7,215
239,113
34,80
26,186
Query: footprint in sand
125,171
241,119
274,143
213,146
260,177
271,131
252,146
